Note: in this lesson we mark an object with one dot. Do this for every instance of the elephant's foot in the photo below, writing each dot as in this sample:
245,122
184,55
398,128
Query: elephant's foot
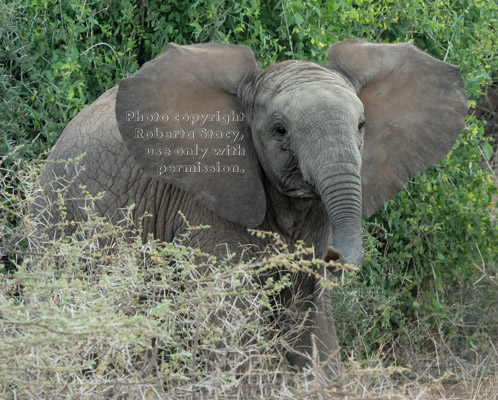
312,319
318,342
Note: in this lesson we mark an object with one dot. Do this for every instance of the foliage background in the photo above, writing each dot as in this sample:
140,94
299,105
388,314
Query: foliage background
431,254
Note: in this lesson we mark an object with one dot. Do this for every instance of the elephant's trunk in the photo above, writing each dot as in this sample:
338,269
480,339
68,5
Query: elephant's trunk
341,195
339,185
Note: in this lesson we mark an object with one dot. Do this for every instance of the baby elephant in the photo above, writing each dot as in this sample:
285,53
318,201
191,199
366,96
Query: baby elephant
296,148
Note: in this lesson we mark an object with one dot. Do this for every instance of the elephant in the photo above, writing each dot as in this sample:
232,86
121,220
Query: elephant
296,148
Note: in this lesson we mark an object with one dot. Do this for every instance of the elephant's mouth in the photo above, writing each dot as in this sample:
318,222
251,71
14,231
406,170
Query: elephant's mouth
307,192
294,185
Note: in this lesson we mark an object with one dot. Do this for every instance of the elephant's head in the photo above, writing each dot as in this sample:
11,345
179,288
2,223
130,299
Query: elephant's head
352,134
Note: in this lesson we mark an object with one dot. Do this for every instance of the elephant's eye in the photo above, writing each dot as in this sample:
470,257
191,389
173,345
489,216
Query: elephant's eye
361,125
280,130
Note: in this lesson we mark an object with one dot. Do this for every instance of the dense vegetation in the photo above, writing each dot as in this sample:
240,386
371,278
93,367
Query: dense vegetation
429,281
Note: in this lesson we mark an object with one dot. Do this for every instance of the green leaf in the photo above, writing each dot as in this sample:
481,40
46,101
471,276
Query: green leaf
299,19
487,150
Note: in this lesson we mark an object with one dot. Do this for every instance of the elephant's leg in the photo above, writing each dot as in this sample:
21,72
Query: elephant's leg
311,318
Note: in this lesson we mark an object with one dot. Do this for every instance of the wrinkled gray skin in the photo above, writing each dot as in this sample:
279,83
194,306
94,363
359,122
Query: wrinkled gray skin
309,175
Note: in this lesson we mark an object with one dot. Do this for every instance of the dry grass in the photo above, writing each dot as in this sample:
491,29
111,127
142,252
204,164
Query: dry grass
88,318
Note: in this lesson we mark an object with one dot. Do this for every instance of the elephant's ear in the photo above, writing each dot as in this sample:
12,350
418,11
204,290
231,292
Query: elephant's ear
182,122
415,108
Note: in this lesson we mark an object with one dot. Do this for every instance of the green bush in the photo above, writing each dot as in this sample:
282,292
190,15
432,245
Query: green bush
56,57
430,253
429,276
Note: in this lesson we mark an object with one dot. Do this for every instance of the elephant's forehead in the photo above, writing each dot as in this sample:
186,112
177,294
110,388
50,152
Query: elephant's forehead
292,76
